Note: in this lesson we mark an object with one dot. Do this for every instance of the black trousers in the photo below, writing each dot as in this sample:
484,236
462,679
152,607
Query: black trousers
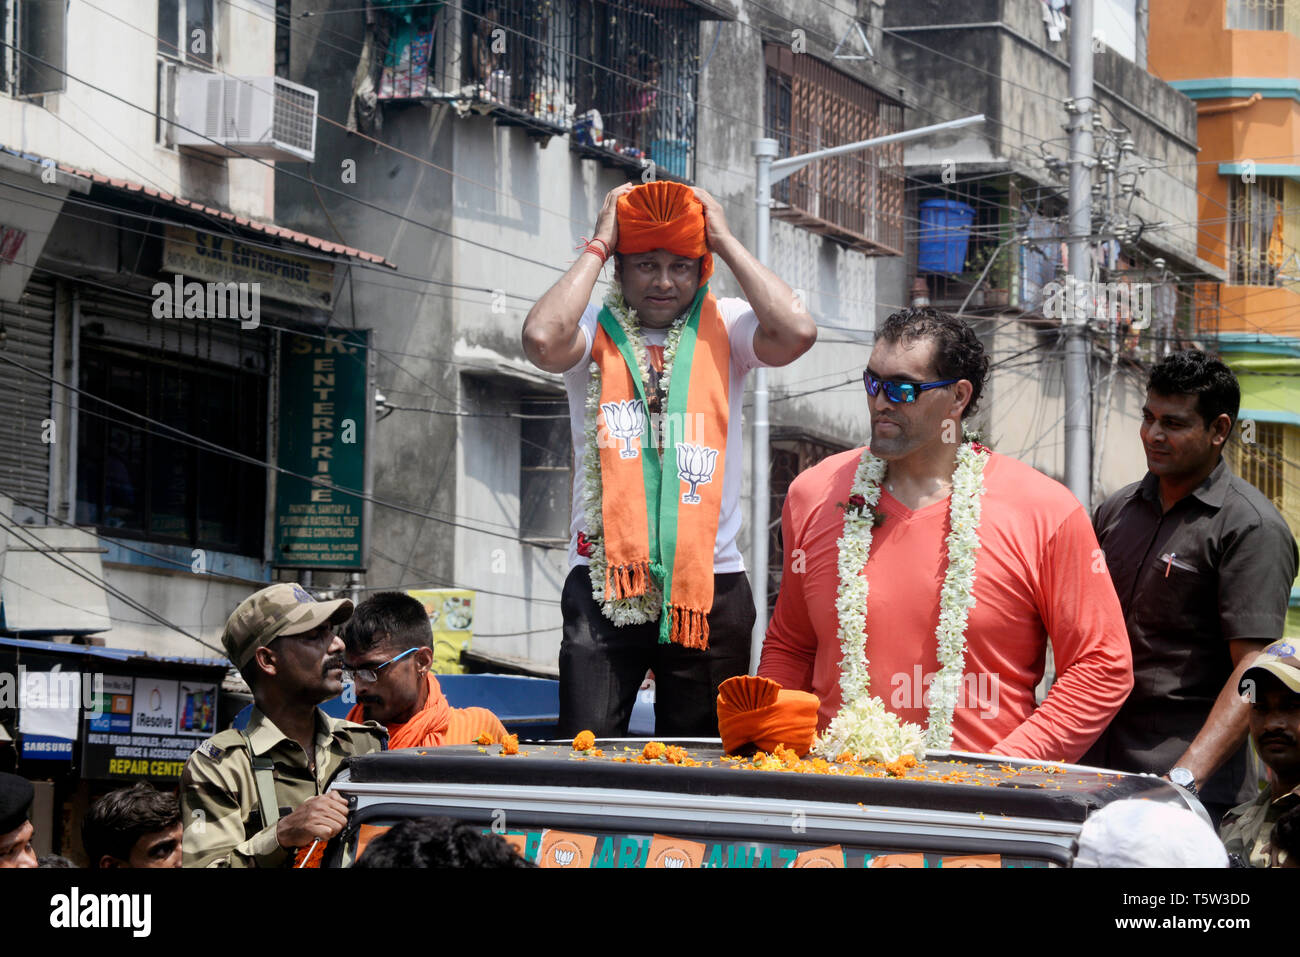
602,666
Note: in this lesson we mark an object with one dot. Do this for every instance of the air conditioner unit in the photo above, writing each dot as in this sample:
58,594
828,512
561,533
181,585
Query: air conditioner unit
262,116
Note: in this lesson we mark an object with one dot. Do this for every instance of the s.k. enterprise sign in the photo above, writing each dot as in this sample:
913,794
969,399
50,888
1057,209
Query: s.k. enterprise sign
281,275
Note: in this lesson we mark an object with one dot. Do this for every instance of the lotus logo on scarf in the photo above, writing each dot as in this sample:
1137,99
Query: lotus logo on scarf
695,465
626,421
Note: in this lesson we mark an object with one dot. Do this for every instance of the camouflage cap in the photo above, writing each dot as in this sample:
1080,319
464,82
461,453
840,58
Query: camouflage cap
282,609
1281,659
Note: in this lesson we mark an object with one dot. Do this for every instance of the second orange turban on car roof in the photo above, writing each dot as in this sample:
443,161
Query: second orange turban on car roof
664,215
759,712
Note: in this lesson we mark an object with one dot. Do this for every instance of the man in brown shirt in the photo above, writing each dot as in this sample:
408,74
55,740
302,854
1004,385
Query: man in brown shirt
1203,565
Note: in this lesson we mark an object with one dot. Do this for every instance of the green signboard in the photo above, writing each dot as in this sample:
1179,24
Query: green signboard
322,433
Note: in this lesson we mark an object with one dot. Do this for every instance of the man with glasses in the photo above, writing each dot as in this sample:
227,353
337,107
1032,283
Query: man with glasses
250,798
389,654
1037,569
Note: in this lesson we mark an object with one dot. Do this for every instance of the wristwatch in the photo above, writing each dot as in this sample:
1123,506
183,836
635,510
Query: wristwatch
1184,779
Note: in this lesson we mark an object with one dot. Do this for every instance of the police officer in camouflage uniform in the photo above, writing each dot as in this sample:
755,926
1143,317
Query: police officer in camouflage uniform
1272,685
250,798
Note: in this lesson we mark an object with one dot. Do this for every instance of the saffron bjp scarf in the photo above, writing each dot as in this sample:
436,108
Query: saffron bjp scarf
660,505
655,523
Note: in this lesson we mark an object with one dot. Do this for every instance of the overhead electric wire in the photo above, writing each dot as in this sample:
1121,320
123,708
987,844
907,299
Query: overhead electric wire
17,529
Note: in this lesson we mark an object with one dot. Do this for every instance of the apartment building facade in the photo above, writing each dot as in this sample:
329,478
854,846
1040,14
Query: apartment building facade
1239,61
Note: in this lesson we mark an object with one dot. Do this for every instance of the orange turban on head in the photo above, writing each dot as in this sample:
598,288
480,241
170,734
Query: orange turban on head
757,711
664,215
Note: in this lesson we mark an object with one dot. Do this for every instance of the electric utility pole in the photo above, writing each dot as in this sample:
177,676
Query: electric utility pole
1078,394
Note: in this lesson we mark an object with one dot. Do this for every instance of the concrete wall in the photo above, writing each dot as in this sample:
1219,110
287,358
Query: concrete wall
995,57
111,58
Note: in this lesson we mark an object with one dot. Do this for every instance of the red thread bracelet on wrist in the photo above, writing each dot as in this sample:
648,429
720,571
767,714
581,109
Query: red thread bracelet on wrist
592,248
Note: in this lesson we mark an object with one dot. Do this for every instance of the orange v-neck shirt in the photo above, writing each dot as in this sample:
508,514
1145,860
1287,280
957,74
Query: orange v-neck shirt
1038,572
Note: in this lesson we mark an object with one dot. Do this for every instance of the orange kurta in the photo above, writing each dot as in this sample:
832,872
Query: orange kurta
438,723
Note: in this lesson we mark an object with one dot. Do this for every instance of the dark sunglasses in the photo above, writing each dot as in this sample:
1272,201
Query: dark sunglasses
900,391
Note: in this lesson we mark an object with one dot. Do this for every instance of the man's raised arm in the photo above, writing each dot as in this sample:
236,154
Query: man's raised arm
785,328
552,341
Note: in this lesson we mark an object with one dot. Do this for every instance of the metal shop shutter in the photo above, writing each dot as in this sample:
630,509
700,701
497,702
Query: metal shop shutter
28,340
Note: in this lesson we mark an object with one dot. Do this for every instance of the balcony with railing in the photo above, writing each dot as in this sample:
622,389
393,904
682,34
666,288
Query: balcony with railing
619,76
855,199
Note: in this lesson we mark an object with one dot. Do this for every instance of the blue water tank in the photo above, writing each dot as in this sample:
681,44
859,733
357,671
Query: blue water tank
945,230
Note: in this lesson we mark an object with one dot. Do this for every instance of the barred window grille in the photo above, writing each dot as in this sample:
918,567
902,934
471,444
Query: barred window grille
552,65
1255,231
790,455
545,468
856,199
1263,15
1262,462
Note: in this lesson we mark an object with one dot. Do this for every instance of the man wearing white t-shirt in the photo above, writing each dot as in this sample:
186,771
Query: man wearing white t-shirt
655,381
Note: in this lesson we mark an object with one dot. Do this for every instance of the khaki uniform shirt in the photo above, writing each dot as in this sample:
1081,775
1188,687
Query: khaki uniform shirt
219,805
1247,830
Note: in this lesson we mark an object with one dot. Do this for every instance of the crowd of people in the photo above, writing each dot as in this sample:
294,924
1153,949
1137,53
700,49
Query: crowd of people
912,564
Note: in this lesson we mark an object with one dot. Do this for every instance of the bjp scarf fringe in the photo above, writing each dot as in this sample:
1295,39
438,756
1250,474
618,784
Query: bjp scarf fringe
689,627
626,581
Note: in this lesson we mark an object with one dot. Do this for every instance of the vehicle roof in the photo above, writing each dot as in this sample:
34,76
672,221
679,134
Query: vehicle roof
946,782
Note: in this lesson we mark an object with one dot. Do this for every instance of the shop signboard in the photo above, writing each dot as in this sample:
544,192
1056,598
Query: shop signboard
323,410
146,727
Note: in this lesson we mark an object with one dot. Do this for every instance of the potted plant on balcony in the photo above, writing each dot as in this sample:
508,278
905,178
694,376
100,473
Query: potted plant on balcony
997,281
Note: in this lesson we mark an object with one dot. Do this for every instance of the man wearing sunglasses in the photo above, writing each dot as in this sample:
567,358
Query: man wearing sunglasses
389,654
1036,568
250,798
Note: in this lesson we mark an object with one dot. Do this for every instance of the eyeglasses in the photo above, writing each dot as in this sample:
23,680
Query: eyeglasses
900,391
371,675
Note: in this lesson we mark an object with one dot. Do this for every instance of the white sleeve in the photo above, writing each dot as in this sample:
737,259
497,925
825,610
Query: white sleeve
741,325
587,324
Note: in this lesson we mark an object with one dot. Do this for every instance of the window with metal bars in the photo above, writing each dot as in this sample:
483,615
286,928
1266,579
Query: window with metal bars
545,468
153,482
34,37
187,38
1256,249
789,457
1263,15
621,74
855,199
992,201
1261,462
283,34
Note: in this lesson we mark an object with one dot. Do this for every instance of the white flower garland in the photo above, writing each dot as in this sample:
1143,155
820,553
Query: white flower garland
863,726
639,608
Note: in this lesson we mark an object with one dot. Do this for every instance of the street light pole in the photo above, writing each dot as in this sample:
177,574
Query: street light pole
1078,394
768,170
